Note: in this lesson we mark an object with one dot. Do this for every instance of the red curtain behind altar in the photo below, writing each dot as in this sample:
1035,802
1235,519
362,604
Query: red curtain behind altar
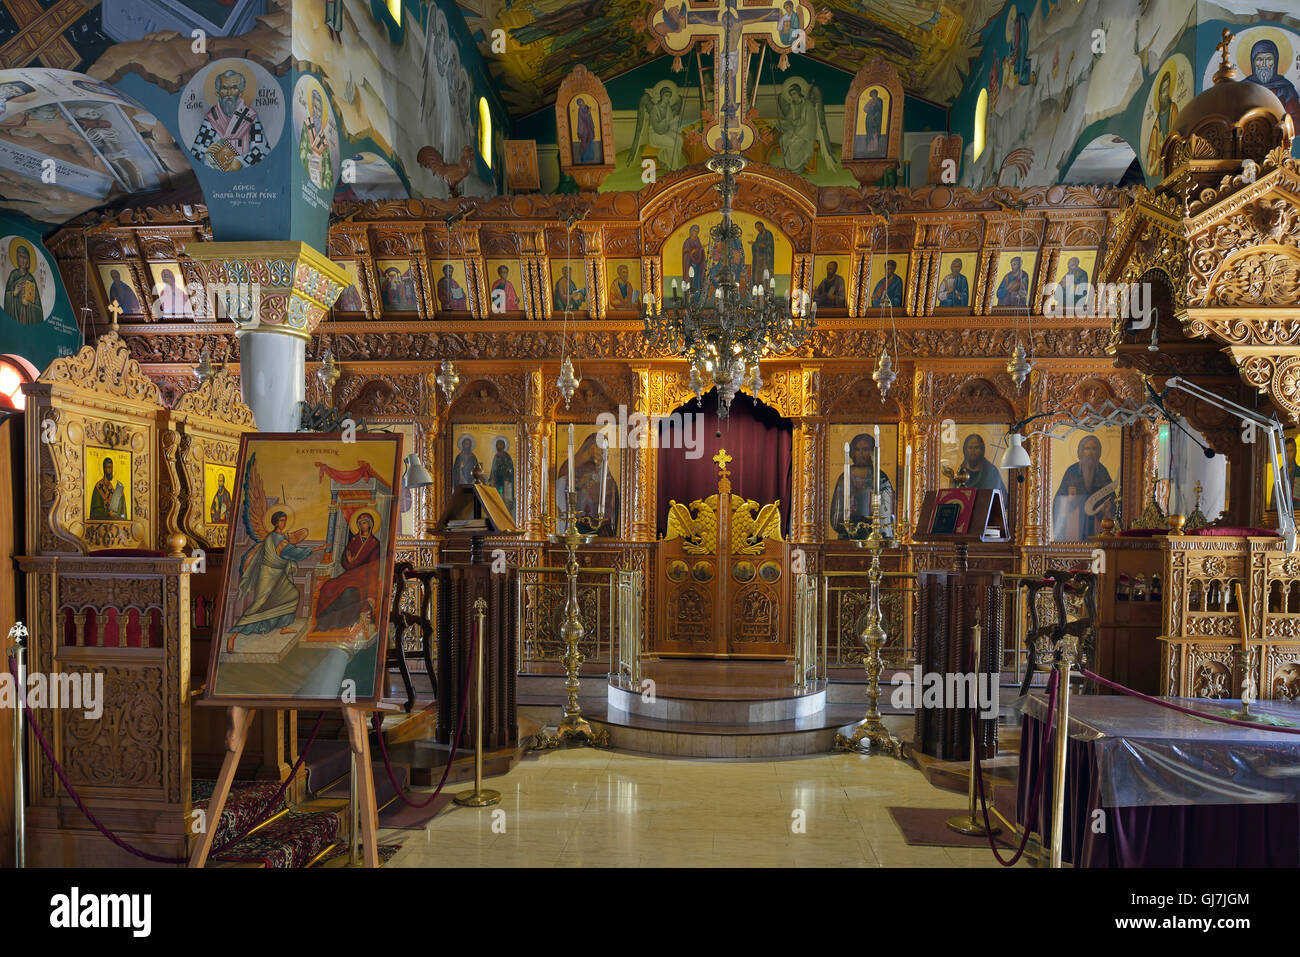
757,438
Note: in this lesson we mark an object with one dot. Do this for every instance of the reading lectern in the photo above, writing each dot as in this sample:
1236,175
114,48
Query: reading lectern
950,603
475,512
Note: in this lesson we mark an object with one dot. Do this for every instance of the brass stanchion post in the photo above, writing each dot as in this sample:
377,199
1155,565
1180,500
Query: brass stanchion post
1066,651
479,797
18,635
969,824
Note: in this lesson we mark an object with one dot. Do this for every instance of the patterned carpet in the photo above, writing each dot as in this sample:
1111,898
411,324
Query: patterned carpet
386,853
246,802
292,840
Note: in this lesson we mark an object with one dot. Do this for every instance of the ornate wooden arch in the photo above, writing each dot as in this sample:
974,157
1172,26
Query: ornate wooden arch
787,202
970,397
857,398
483,400
595,394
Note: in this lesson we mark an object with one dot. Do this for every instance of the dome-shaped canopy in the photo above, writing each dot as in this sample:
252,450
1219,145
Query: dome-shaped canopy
1231,102
1234,119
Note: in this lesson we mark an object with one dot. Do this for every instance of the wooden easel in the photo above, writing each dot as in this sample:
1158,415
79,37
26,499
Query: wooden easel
240,720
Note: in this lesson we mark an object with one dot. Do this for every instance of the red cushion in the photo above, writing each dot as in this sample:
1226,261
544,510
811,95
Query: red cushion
1230,532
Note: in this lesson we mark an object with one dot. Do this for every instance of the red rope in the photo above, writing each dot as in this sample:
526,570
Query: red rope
1036,791
1182,710
455,741
271,806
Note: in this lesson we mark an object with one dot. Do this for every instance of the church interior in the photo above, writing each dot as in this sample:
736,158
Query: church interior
929,371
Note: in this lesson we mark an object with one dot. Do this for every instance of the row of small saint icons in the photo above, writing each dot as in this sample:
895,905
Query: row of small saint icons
1137,589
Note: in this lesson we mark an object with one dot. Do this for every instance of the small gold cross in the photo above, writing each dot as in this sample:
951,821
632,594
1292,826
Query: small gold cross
722,458
116,309
1222,46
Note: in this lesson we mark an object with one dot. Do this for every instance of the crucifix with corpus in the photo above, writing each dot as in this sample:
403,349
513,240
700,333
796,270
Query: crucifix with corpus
724,27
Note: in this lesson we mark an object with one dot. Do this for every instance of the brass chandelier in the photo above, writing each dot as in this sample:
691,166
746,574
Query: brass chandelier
725,331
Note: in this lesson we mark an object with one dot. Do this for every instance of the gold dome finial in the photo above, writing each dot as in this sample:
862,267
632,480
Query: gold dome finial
1226,72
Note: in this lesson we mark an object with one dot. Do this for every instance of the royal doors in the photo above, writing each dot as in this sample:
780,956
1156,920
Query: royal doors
724,577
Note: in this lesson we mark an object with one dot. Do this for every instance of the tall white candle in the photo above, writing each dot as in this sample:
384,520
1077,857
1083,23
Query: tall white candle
875,459
546,467
604,472
907,484
568,485
848,487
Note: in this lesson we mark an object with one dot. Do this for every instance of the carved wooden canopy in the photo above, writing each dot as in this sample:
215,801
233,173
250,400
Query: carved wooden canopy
1231,257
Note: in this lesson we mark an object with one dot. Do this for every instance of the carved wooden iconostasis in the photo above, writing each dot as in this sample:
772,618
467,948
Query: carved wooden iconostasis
389,340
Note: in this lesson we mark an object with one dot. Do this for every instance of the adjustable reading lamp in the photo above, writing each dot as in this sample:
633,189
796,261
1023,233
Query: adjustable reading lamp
1015,456
417,476
1276,444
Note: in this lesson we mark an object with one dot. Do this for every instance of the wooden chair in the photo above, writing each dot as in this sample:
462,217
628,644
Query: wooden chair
1077,598
398,623
1069,608
401,622
1045,616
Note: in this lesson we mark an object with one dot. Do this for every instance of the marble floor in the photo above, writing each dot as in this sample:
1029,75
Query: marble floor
586,808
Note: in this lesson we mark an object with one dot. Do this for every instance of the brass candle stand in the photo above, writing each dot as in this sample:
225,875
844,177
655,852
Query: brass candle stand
871,736
573,727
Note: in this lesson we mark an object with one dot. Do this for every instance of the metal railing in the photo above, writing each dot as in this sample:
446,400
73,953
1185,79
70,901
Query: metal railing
610,609
809,656
629,627
843,616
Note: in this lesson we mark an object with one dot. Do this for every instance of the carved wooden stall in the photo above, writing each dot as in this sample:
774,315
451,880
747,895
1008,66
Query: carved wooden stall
1203,627
114,479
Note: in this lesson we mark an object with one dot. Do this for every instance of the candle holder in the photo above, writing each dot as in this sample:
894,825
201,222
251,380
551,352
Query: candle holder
870,736
573,727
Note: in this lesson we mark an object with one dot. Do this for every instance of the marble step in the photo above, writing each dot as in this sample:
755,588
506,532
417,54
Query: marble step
722,711
774,739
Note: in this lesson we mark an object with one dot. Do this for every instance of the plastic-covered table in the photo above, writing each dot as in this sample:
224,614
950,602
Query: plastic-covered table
1150,787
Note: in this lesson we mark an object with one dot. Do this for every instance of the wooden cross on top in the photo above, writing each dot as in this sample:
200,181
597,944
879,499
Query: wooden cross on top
1226,72
722,458
731,30
115,308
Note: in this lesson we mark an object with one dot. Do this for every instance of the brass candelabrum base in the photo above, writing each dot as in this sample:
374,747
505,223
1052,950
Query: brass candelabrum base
870,736
573,728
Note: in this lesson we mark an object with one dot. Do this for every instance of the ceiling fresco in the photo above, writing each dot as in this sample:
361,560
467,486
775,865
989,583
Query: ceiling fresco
930,42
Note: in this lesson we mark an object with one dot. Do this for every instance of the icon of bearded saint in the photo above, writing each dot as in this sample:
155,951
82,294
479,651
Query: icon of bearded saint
1085,496
1264,71
230,136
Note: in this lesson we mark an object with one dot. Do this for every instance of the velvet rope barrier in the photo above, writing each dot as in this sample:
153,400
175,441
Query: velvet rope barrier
271,805
1036,791
455,741
1183,710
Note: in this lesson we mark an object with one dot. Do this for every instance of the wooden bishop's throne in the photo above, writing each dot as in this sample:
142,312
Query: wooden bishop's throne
724,575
